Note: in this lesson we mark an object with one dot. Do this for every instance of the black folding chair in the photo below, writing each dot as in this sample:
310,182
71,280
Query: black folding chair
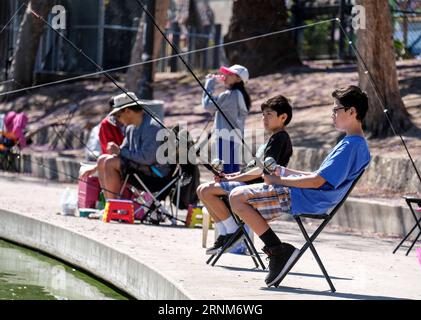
170,186
247,241
410,200
309,240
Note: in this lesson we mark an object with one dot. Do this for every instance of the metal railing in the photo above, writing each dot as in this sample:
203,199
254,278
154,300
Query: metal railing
407,26
191,41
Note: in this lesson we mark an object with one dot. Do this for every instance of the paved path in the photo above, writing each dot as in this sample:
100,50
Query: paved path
361,267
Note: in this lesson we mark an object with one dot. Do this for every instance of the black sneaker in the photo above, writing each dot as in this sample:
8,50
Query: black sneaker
238,238
280,258
217,245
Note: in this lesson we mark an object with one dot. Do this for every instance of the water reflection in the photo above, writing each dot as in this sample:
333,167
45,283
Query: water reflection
25,274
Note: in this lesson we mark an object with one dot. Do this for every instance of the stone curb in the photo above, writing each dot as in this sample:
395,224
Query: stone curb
378,217
103,261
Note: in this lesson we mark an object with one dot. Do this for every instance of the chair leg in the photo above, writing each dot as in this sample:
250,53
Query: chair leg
205,227
210,258
316,256
413,243
252,255
404,239
249,244
302,250
252,249
407,236
225,246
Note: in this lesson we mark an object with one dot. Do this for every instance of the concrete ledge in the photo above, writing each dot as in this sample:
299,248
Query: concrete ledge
393,174
52,168
375,217
119,269
371,216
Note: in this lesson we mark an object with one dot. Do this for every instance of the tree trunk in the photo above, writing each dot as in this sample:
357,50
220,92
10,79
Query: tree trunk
375,44
161,12
263,55
5,15
30,32
134,73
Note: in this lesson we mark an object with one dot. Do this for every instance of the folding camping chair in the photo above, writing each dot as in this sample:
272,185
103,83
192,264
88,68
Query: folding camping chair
9,153
12,139
247,241
309,240
410,200
156,212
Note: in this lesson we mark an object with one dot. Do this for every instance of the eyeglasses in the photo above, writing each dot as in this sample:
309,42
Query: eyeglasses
335,110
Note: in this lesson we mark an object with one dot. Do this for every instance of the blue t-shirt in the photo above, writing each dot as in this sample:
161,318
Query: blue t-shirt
342,165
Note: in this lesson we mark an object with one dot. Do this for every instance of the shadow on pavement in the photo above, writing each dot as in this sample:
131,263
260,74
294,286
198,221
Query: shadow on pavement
252,269
330,294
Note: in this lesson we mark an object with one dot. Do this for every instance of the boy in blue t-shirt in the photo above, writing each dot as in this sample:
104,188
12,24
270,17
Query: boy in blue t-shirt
292,191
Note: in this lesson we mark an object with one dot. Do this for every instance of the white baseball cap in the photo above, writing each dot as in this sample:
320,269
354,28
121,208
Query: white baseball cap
237,69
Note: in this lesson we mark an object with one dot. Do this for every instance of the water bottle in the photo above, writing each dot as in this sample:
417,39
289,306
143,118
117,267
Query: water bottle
68,203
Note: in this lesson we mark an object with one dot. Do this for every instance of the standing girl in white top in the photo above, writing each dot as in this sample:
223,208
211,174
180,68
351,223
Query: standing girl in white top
235,104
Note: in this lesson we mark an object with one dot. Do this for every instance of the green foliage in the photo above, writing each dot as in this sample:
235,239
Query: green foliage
399,48
317,40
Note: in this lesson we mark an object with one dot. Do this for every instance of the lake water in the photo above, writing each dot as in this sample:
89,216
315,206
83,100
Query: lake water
26,274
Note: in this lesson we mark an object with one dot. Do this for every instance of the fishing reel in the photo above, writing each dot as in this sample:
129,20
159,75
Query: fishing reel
270,165
218,166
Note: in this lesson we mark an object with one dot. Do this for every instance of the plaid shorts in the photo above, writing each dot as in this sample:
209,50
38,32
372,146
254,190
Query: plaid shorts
269,200
228,186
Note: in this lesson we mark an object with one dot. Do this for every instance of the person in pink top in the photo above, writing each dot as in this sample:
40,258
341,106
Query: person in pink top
14,126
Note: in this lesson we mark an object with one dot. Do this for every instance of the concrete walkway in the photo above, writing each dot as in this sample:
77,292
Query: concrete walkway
361,267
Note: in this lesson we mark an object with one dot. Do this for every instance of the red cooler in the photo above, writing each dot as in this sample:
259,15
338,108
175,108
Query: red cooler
88,194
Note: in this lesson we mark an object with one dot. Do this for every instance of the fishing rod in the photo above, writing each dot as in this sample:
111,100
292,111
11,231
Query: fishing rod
377,94
15,81
163,58
4,28
13,16
178,54
80,51
175,49
58,172
61,134
6,81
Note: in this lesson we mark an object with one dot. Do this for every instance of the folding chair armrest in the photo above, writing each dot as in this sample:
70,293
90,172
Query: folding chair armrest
312,216
412,199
